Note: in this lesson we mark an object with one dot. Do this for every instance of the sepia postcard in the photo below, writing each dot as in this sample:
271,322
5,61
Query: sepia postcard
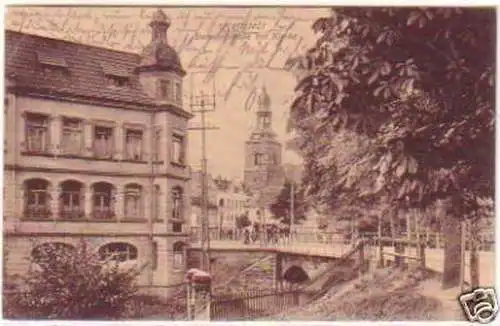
266,163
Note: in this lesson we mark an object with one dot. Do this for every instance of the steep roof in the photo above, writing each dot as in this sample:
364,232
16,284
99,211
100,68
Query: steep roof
87,67
196,201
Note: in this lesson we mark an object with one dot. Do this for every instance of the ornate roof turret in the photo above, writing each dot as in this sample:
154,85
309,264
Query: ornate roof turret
159,55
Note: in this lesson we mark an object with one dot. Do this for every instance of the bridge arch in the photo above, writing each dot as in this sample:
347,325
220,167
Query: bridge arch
295,275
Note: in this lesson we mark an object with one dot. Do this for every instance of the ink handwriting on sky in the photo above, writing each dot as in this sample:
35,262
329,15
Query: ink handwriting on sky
237,43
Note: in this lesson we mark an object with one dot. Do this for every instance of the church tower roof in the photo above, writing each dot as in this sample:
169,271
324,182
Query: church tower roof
158,55
264,101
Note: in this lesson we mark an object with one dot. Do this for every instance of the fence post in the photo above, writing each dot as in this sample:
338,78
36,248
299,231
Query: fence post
199,294
380,253
361,257
278,271
399,250
422,254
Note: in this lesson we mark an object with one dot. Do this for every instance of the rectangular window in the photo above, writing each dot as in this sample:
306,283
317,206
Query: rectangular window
177,227
165,90
37,136
259,159
133,141
157,154
154,255
103,142
156,204
178,92
178,149
72,137
177,206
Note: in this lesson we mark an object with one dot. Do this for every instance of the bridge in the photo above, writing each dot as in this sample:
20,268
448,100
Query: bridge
306,254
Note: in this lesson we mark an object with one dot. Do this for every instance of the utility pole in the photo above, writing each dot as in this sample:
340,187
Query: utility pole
292,203
152,203
202,104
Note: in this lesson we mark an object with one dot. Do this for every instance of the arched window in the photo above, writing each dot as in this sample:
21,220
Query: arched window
133,201
221,202
48,252
71,200
37,199
179,255
102,201
120,251
177,199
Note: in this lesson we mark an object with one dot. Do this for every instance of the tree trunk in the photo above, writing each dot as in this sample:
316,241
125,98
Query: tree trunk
452,233
392,213
474,255
408,224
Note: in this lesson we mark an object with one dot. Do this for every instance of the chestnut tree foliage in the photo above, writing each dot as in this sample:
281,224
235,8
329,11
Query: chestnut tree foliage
281,207
417,86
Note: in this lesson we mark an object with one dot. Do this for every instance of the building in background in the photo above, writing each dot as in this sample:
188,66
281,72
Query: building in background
96,147
232,203
264,174
196,204
226,201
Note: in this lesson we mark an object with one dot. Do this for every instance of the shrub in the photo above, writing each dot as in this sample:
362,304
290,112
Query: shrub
73,284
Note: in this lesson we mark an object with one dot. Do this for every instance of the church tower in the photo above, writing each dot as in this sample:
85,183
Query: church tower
264,174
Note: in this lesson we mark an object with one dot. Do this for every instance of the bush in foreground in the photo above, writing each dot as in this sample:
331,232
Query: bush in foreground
72,284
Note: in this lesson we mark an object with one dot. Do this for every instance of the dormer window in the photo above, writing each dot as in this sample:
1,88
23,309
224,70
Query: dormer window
116,81
51,62
116,76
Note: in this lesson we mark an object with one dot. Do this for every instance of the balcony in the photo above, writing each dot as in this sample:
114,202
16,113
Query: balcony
37,212
72,213
103,214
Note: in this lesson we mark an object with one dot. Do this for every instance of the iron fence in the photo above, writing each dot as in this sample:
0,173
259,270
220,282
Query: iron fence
254,304
167,302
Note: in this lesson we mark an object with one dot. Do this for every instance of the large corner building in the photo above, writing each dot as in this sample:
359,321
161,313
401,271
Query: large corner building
95,147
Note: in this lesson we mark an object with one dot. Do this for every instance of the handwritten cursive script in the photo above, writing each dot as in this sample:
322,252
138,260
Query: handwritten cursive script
239,42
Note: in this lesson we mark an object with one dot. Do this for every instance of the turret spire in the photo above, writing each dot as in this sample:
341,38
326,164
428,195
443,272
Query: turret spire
159,24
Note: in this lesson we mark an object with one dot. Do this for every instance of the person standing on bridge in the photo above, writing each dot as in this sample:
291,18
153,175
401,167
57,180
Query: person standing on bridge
246,236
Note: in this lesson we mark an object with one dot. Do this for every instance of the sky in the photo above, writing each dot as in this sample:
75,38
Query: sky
238,49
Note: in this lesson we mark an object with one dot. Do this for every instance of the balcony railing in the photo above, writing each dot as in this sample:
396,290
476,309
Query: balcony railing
72,213
38,212
103,214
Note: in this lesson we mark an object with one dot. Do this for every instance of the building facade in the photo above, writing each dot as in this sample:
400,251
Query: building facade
226,201
232,203
196,202
264,174
95,147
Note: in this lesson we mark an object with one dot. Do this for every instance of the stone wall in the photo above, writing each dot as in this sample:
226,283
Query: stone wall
225,264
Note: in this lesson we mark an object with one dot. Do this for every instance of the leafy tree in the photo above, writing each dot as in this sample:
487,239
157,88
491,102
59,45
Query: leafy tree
281,206
68,283
222,183
418,84
243,221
